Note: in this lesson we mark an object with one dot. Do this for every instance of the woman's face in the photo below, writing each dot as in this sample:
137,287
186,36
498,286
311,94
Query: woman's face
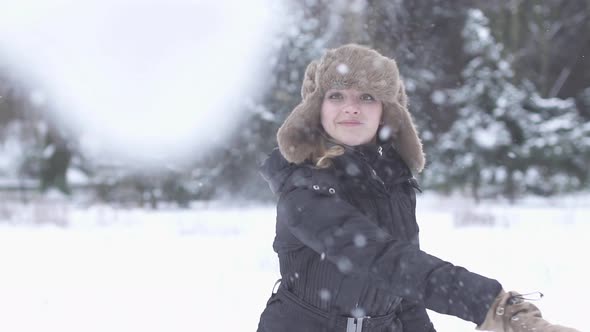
351,117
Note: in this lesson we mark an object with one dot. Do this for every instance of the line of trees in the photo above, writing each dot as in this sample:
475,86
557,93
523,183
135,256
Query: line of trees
500,92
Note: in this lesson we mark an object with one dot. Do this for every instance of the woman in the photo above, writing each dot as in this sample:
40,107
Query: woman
346,233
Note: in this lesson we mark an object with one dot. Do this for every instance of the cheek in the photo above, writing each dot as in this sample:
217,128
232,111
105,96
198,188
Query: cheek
323,117
327,115
375,116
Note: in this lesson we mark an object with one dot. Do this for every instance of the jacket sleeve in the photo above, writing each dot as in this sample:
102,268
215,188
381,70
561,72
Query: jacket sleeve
414,317
331,226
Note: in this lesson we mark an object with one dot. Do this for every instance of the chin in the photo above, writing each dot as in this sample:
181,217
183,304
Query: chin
353,142
352,139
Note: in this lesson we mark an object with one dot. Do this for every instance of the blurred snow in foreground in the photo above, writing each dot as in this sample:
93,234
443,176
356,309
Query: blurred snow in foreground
141,80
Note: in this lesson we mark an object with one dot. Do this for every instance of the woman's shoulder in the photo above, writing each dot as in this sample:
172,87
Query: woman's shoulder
284,176
320,180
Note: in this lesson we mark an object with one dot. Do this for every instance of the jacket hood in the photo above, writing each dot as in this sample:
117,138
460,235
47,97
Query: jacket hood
282,174
276,170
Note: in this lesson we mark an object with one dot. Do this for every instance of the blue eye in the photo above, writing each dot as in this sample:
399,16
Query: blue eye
367,97
335,95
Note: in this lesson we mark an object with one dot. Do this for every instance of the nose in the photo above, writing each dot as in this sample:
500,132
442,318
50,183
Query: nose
352,108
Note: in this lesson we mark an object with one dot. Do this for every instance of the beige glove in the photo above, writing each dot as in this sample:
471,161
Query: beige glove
510,313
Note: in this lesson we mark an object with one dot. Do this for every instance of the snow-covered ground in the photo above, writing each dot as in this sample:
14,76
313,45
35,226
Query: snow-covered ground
70,268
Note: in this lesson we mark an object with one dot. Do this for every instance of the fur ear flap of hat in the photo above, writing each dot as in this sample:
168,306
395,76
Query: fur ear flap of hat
398,121
350,66
299,135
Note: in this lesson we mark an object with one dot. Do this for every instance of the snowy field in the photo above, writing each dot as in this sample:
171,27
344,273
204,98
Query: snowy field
69,268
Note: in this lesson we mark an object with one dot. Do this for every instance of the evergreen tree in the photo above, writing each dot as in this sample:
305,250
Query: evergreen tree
557,149
477,153
506,139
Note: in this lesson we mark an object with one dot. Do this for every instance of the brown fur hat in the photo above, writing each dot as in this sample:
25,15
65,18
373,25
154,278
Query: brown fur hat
351,66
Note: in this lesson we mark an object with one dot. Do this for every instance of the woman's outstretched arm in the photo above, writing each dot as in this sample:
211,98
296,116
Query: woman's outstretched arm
331,226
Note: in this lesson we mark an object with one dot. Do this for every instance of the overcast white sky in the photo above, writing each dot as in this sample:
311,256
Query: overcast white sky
141,77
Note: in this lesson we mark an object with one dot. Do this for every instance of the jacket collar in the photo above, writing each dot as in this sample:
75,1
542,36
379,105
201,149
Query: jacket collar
370,152
382,158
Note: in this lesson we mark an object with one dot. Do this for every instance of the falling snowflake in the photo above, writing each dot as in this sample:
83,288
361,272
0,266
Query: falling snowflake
360,240
344,265
342,68
325,294
358,312
385,133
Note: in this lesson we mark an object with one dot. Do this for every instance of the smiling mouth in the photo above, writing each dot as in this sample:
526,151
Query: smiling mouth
350,123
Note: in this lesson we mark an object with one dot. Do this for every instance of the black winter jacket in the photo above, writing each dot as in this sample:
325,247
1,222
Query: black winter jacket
347,241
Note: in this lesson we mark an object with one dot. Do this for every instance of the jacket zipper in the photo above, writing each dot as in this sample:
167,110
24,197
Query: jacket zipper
389,208
373,173
385,190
